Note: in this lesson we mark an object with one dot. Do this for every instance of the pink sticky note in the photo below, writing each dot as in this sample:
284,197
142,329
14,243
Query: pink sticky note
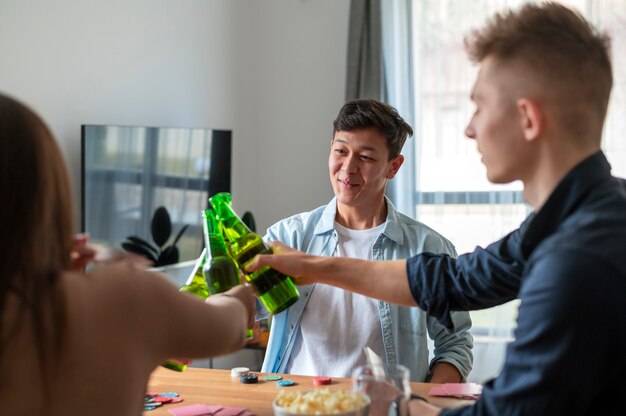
215,408
438,391
194,410
463,389
231,411
459,390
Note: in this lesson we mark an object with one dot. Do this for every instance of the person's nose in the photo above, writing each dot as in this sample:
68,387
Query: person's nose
350,164
470,132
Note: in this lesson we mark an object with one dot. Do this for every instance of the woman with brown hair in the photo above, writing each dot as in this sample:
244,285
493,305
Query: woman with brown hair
76,343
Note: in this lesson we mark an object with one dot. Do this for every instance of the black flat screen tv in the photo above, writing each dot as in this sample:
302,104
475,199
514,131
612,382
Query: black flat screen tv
127,172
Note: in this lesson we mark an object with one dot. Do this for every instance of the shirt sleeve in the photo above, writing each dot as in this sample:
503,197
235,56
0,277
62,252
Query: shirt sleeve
481,279
454,347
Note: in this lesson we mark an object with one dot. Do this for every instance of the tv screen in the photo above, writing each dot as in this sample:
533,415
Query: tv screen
129,171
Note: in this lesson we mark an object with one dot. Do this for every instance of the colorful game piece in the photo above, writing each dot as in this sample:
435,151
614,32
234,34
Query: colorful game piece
169,394
153,400
238,371
321,381
249,378
272,378
285,383
162,399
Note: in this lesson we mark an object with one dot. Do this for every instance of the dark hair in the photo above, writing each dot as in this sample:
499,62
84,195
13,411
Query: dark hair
36,224
367,113
567,55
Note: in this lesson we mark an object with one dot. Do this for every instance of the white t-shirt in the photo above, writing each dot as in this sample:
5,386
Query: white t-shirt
337,324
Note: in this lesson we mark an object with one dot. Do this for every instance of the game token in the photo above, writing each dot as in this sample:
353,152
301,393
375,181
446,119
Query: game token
320,381
153,400
169,394
272,378
238,371
249,378
285,383
162,399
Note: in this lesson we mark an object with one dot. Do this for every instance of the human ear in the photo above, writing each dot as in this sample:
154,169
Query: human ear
531,118
395,166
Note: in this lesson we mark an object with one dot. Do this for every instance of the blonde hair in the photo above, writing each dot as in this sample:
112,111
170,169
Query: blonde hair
565,53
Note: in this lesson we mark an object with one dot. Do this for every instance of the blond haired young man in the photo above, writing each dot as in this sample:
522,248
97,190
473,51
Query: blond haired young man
541,98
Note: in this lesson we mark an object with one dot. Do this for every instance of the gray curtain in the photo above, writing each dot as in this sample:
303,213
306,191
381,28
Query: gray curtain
365,76
379,66
399,92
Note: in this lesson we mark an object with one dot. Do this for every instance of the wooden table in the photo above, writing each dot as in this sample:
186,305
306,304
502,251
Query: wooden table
209,386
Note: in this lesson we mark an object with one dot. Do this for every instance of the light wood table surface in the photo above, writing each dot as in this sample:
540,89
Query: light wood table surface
211,387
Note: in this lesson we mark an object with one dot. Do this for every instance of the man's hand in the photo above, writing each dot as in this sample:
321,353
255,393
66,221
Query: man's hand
355,275
444,372
286,260
421,408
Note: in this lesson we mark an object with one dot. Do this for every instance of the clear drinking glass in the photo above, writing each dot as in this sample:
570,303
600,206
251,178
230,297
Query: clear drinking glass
387,387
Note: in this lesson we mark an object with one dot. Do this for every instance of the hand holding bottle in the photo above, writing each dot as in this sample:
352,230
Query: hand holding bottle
285,259
275,290
247,296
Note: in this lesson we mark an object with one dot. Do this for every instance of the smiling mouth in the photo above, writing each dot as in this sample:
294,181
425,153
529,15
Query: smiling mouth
347,184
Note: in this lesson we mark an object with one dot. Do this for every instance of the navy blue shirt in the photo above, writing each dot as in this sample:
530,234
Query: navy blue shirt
567,265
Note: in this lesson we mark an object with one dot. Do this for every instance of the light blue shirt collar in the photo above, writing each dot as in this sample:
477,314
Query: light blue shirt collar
393,230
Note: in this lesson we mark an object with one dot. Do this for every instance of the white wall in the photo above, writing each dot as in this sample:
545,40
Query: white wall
270,70
294,75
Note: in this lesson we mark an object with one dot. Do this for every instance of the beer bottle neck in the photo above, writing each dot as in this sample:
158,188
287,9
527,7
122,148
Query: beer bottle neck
197,268
234,228
217,246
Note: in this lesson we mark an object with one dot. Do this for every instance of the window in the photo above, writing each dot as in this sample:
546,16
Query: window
451,191
129,171
428,78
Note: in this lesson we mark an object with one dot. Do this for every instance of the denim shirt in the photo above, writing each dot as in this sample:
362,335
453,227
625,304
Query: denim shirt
567,265
404,329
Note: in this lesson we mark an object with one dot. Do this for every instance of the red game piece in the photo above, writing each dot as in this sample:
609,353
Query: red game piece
320,381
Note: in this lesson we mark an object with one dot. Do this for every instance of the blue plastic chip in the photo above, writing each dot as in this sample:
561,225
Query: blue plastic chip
169,394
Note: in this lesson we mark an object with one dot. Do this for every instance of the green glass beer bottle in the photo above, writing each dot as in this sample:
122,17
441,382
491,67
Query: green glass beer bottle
175,365
276,290
220,270
196,283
